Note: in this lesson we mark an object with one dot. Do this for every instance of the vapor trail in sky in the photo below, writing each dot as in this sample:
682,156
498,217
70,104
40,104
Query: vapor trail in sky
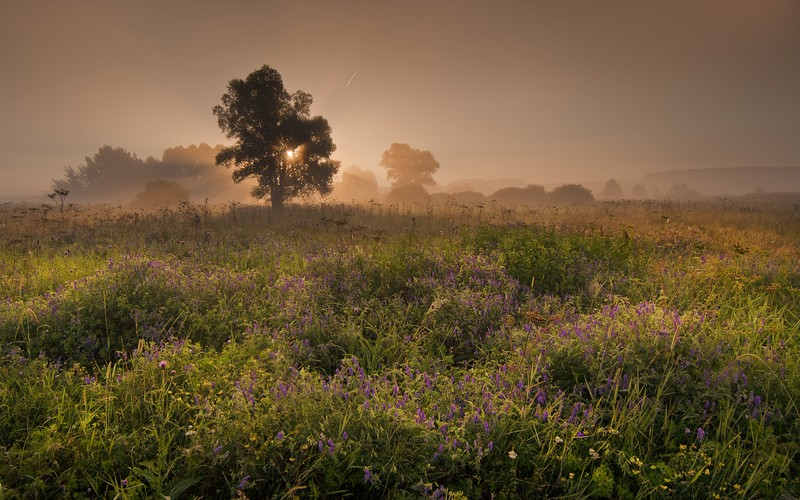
357,69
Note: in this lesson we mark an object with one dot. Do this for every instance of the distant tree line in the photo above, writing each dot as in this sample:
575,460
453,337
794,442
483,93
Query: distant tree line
410,170
114,174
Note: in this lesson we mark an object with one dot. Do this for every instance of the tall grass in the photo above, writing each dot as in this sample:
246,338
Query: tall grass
613,351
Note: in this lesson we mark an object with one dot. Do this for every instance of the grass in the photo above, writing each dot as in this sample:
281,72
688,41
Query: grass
619,350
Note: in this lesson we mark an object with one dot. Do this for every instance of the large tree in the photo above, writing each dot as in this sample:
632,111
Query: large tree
406,165
278,142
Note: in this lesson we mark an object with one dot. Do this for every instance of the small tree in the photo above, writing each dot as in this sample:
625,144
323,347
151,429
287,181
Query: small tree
59,197
405,165
531,194
278,142
612,190
109,173
571,194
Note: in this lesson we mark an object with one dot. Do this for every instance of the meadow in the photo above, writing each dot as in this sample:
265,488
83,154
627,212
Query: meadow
613,350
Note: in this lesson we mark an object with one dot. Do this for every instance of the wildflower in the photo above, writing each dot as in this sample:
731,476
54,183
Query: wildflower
243,483
490,446
512,454
218,449
368,476
279,436
593,453
124,483
559,440
344,435
162,365
701,434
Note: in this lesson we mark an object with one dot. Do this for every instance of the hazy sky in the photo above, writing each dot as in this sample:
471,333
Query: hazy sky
548,91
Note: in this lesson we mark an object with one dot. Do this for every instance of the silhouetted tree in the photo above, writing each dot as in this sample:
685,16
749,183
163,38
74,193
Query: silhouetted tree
571,193
612,190
278,142
110,173
114,174
406,165
59,197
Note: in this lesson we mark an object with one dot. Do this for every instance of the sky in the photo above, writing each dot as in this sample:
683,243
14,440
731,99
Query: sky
545,91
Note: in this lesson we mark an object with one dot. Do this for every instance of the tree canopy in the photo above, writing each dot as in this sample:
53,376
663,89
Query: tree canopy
111,172
406,165
115,174
278,143
612,190
571,194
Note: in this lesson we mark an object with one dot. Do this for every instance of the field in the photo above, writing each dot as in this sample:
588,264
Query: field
617,350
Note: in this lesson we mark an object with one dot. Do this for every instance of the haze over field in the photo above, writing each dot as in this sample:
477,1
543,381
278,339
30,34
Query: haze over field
545,92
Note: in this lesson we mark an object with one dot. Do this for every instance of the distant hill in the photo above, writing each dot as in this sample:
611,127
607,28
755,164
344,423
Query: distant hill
733,181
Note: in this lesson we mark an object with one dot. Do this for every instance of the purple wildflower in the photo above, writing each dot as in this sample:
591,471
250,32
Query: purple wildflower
701,434
280,435
368,476
541,397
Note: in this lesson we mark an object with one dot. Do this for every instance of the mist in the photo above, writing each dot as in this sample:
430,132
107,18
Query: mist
117,176
543,93
527,93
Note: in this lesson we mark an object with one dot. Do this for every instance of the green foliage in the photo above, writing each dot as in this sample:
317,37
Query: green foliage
278,142
262,356
553,262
